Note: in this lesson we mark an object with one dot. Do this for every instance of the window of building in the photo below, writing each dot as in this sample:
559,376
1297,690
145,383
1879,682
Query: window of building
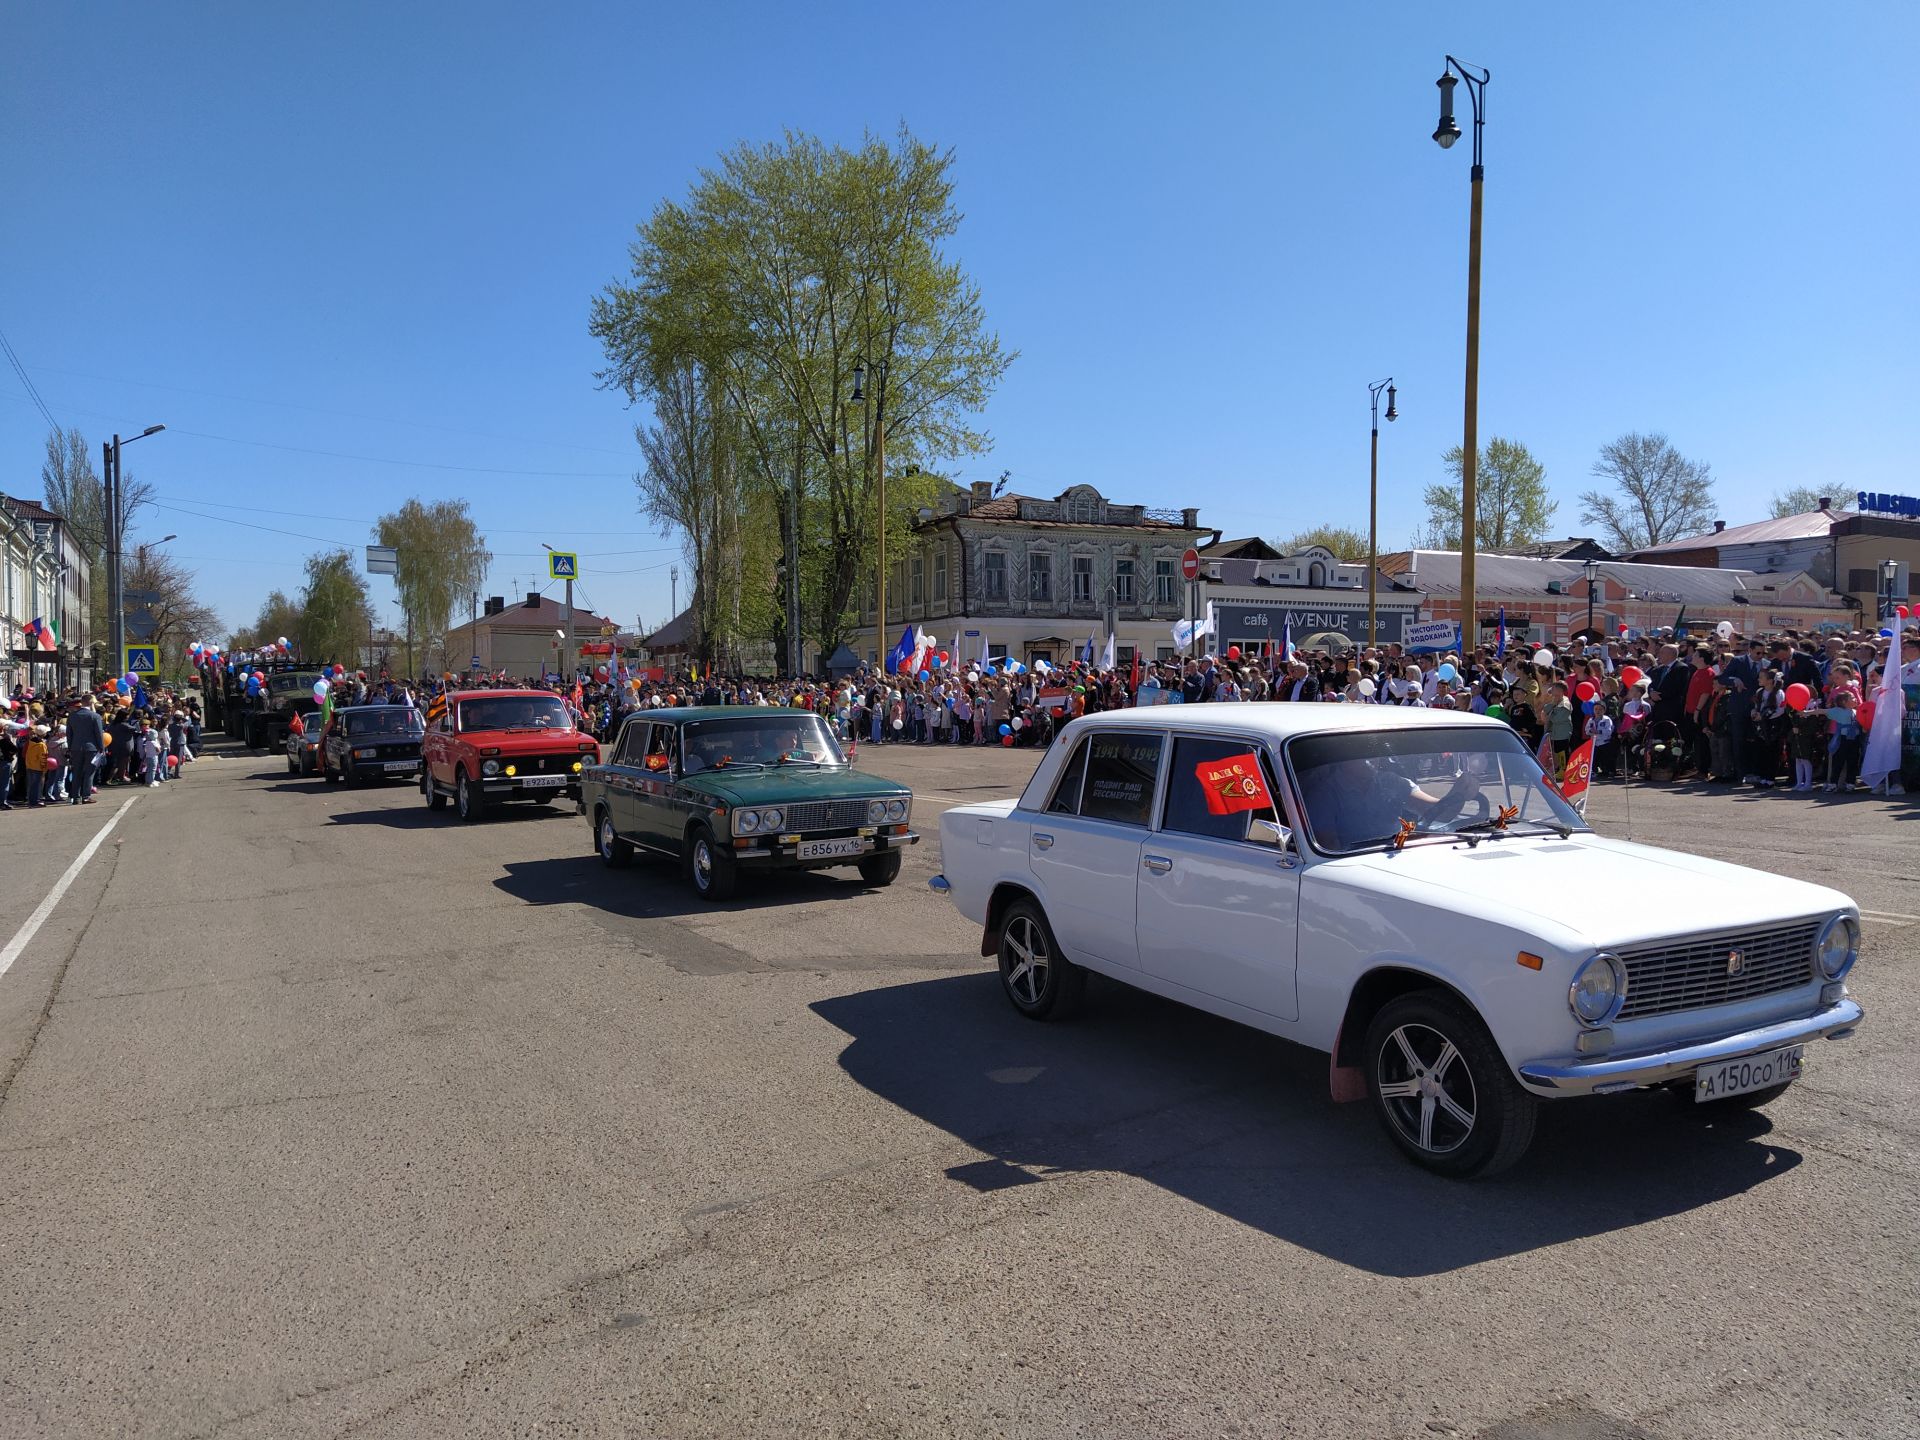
1163,582
1317,574
1039,576
1123,580
994,573
1123,657
916,579
1082,578
940,574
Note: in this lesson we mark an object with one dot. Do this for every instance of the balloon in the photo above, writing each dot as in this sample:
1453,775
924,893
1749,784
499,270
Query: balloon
1448,673
1006,730
319,692
1724,629
1903,612
1496,712
1585,690
899,725
339,669
1623,629
282,640
1544,659
1367,688
1798,696
944,658
1233,652
1886,632
122,688
1006,739
1631,675
1018,723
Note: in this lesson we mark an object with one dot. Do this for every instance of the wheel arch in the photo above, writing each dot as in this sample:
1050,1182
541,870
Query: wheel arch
1004,894
1370,994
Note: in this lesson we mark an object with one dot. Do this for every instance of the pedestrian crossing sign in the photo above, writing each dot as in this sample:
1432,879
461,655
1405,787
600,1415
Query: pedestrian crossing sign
141,660
563,565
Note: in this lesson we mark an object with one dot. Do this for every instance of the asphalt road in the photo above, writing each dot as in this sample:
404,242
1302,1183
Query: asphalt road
323,1116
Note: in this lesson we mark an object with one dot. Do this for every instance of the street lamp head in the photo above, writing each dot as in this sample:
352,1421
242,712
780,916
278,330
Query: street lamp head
1392,413
1448,130
859,379
151,430
165,538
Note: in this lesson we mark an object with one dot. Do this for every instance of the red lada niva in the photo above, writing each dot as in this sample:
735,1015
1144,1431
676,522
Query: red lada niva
492,746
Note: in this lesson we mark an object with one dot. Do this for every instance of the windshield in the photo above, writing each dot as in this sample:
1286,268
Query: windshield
796,739
1360,788
399,721
515,712
283,684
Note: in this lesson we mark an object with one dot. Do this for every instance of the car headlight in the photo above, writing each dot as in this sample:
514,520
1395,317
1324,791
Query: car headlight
876,811
576,767
489,767
770,819
363,754
1838,946
746,822
1598,991
896,810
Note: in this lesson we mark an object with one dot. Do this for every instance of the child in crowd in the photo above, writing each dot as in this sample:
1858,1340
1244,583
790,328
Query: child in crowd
1843,750
1807,743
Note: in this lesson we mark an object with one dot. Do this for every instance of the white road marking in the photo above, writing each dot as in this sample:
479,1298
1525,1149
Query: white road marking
1889,917
46,906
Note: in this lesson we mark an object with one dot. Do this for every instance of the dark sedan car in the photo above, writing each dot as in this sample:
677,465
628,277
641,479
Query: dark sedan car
303,751
372,742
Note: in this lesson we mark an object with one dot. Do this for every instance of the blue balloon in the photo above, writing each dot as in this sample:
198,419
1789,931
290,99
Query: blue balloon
1448,674
1006,730
1886,632
121,687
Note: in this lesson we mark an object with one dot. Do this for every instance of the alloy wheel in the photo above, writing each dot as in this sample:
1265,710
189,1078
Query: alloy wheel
702,864
1027,977
1426,1088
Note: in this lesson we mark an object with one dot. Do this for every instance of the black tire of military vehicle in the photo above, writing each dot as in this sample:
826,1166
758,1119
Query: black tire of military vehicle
881,869
615,853
1041,982
435,800
711,871
468,802
1430,1046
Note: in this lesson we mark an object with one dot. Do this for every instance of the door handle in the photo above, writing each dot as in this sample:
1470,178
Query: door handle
1043,842
1158,864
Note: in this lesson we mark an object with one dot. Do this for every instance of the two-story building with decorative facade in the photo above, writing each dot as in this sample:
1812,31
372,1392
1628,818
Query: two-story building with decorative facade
1021,576
45,575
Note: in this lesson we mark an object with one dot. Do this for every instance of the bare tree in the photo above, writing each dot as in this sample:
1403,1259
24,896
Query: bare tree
73,492
179,616
1657,493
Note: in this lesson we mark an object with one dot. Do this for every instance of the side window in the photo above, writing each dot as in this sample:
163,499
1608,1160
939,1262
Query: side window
1121,769
1066,794
1217,787
633,743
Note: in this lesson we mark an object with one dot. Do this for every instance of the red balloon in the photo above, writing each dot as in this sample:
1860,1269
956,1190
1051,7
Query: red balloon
1233,652
945,659
1798,696
1903,612
1631,675
1006,740
1585,690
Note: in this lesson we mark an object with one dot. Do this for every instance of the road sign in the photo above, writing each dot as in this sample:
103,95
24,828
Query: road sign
140,624
1190,564
140,659
383,560
563,565
476,662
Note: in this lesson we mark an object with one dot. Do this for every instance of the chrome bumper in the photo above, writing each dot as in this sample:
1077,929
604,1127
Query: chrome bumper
1657,1067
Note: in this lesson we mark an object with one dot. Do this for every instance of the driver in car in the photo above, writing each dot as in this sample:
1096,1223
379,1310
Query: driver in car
1362,802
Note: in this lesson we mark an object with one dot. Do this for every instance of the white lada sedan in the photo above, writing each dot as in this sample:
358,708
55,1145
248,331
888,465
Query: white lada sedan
1405,890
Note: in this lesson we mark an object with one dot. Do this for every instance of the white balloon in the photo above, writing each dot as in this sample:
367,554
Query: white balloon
1724,629
1544,658
1367,688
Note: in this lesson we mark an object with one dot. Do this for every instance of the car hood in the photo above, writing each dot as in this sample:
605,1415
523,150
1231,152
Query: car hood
526,742
790,786
1588,891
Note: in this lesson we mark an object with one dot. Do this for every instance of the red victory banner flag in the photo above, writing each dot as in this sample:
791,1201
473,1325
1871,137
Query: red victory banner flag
1233,782
1579,775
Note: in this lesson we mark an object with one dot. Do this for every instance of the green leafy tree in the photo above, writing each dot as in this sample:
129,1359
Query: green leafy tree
278,616
1653,493
442,559
786,267
1510,499
336,614
1801,499
1348,545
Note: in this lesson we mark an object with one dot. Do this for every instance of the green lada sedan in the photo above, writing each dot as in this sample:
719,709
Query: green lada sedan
722,789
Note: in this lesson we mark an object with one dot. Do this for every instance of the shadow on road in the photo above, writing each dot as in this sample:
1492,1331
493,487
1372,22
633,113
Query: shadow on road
410,813
1240,1122
652,888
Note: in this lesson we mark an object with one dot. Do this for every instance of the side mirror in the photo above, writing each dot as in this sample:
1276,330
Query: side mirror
1270,832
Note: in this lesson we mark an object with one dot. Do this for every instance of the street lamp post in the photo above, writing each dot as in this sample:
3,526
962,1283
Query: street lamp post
1373,509
1444,135
1593,569
1889,574
110,487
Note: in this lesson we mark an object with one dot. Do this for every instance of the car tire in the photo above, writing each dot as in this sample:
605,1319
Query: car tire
326,771
435,800
615,853
1442,1089
1041,983
467,801
711,871
1728,1104
881,869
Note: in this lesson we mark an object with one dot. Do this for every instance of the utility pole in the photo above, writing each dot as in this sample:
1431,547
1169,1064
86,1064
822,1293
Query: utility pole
111,544
566,642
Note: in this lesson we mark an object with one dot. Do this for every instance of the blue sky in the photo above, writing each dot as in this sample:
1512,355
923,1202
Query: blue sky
373,230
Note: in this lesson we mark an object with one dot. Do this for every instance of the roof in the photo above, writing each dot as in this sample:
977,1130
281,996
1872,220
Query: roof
1235,571
1249,547
33,509
1437,572
1810,525
677,631
1574,547
1007,508
687,714
544,616
1281,721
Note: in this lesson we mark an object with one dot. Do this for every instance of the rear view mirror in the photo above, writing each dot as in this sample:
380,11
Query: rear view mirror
1270,832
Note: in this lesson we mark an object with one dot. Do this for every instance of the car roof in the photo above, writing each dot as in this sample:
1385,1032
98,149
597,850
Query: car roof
687,714
1279,720
461,696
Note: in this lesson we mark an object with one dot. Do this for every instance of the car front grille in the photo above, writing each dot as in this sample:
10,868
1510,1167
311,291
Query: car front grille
546,764
826,815
1694,972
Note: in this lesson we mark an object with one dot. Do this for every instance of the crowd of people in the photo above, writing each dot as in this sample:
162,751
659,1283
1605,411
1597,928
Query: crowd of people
58,747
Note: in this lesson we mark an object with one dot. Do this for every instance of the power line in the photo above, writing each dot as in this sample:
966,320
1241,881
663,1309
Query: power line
359,520
27,380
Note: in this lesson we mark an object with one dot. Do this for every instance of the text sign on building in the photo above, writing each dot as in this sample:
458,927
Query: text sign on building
563,565
1875,502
